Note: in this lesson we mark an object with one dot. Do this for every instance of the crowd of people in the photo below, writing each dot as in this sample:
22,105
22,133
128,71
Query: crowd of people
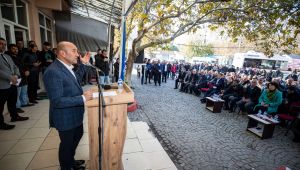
248,90
156,71
20,71
244,90
19,77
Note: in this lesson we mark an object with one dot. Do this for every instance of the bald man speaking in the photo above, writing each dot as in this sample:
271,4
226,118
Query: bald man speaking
67,102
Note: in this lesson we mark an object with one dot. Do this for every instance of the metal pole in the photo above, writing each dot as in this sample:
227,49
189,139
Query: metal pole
123,43
87,11
109,29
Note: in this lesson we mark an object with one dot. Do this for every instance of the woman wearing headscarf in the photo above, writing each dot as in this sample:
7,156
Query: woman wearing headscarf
269,100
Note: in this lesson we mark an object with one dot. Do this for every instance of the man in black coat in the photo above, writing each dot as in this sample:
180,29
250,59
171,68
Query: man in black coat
31,61
116,69
169,65
180,77
250,97
193,79
157,72
46,56
101,61
143,71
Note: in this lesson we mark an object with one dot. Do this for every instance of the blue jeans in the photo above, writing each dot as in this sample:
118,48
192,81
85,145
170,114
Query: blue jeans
22,96
104,80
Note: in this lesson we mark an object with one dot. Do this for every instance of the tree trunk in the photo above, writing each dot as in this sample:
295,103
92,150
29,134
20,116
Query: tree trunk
129,66
130,60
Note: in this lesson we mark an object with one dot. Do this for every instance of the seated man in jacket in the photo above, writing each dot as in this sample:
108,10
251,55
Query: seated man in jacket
228,91
292,103
250,97
191,86
217,87
232,94
185,81
269,100
181,76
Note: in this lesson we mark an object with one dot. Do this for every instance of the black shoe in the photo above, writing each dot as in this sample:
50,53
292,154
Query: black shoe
90,83
5,126
226,108
27,105
79,162
20,110
38,98
80,167
19,118
33,101
175,88
296,140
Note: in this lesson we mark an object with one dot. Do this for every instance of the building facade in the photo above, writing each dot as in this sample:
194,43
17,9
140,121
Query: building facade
29,20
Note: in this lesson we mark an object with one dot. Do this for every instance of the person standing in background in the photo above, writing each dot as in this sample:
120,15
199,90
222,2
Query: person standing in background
116,69
46,56
138,69
101,61
31,61
9,74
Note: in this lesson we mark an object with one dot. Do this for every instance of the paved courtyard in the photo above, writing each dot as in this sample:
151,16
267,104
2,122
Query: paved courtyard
197,139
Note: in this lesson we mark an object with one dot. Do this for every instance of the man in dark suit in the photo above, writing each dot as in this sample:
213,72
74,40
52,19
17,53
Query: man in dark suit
116,70
143,71
67,102
156,70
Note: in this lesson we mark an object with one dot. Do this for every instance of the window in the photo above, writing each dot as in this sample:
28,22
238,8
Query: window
15,11
21,13
45,28
7,10
14,18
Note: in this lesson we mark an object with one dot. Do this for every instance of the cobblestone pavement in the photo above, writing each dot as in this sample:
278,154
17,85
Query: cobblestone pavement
197,139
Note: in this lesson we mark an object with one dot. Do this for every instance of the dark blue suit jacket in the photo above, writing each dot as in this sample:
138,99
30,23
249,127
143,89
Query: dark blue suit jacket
220,83
64,92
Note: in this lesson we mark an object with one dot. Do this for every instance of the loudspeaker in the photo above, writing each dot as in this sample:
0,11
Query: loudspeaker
140,57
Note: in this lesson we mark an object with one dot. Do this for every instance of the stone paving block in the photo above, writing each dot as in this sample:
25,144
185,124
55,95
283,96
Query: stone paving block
132,145
151,145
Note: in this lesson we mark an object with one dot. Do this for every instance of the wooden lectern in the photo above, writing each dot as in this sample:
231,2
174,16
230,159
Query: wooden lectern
115,126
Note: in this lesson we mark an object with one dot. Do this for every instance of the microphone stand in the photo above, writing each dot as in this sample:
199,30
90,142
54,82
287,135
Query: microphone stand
100,113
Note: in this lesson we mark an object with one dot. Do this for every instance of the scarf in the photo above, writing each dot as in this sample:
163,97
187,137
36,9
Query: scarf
271,95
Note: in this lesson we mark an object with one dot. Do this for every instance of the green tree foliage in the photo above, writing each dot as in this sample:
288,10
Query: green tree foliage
198,49
272,24
168,47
